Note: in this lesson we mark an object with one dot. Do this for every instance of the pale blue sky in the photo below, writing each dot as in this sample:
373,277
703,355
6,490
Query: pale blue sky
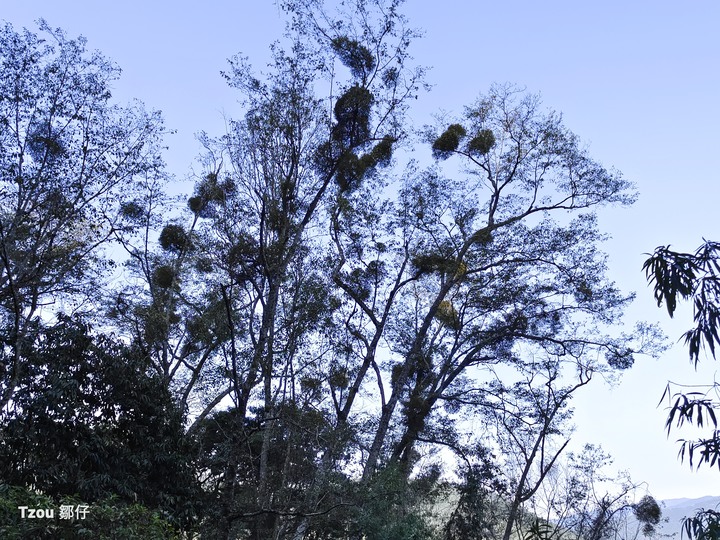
639,82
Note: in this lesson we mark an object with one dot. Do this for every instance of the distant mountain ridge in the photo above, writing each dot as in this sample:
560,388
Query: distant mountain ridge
675,510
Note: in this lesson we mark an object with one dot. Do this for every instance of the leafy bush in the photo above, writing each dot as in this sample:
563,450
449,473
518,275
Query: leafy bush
109,519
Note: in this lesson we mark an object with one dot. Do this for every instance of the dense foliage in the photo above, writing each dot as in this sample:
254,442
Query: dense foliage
327,341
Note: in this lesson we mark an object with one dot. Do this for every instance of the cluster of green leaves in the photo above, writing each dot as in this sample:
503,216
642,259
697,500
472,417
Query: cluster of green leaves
449,142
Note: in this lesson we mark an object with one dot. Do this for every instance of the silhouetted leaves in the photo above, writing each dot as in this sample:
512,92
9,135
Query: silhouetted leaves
482,142
647,512
352,115
694,277
70,170
704,525
448,142
356,56
174,238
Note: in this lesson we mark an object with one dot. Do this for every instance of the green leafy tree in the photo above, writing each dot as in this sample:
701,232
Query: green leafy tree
478,279
276,172
457,279
477,514
68,160
88,419
167,304
348,313
428,284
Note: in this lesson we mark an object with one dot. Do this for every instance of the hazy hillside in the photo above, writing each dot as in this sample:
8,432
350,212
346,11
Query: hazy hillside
676,509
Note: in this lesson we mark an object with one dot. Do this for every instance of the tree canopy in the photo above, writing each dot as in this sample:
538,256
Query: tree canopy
306,345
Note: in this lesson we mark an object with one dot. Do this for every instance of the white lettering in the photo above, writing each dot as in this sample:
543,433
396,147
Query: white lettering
36,513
